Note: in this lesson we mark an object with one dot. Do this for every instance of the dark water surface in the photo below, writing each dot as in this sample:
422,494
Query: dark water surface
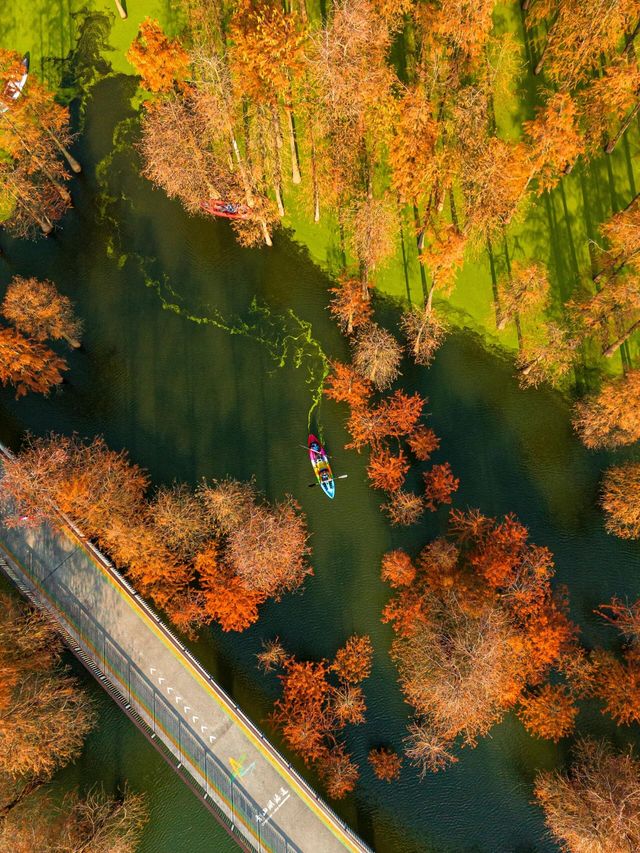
190,399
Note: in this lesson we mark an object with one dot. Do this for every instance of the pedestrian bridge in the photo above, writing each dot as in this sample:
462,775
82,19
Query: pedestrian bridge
206,738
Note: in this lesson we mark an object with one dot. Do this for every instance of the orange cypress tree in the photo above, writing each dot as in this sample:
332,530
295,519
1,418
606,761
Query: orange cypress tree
344,385
423,441
161,62
28,365
397,569
439,486
350,306
386,764
549,713
353,661
556,139
387,471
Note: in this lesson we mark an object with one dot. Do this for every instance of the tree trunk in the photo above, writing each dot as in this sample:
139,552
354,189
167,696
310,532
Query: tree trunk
121,10
243,173
625,124
68,156
612,348
265,233
27,789
277,164
314,181
295,164
543,55
452,205
630,40
62,190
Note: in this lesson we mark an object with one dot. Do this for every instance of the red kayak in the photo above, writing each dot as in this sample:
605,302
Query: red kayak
225,209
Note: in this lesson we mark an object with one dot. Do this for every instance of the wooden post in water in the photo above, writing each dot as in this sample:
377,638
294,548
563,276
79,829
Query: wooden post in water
121,10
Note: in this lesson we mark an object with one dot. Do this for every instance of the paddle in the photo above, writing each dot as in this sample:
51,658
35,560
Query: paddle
339,477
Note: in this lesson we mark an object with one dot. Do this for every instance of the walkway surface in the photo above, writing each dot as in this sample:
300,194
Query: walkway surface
254,790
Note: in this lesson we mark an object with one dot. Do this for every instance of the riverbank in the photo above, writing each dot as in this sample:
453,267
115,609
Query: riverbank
558,229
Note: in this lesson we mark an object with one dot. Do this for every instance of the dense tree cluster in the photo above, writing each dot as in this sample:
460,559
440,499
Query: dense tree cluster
37,312
211,554
318,700
44,718
34,140
384,426
479,631
277,97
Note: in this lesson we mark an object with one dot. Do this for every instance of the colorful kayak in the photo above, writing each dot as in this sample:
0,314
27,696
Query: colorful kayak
225,209
321,467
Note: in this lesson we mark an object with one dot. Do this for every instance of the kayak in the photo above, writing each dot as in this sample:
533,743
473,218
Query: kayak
321,467
13,89
226,209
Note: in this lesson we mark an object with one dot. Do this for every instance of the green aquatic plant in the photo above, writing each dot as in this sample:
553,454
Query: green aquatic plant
287,338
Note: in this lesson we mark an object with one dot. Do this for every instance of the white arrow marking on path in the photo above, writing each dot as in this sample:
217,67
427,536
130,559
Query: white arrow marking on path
195,719
187,708
160,680
178,698
170,690
212,738
152,669
203,729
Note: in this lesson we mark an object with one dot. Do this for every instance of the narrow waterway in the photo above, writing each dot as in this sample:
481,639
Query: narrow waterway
184,338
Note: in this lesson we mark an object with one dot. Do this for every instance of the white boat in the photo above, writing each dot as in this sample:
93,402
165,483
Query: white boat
13,89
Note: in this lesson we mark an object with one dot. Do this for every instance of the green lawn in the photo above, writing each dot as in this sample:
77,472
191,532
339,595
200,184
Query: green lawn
555,229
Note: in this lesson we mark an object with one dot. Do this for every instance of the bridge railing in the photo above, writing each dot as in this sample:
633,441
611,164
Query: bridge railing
140,698
259,831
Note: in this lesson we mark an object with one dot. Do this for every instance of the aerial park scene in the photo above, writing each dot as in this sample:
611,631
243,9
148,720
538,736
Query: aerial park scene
319,424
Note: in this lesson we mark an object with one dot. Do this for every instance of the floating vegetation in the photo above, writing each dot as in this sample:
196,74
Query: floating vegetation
287,338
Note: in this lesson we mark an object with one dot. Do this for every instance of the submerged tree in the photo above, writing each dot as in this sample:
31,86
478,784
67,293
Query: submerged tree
595,806
621,500
610,418
475,623
28,365
377,355
36,309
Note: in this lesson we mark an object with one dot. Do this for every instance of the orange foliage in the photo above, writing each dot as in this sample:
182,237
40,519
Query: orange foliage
477,625
350,306
366,425
549,713
161,62
387,470
338,772
397,569
404,508
36,309
386,764
423,441
28,365
617,684
611,418
311,711
500,552
401,413
353,661
439,486
344,385
556,139
226,598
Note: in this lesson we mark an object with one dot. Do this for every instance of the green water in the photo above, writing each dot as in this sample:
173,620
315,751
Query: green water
190,399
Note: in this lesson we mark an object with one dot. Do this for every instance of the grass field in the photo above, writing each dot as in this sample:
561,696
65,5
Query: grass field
555,229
